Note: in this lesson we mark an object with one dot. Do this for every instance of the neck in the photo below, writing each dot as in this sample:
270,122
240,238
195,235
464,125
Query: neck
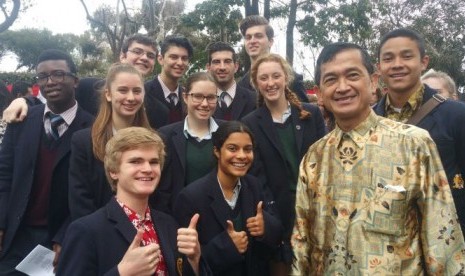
227,182
348,125
120,123
60,108
171,83
277,108
139,205
225,86
399,98
198,127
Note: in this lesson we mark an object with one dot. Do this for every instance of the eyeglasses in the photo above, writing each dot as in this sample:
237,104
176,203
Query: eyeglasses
139,52
55,76
198,98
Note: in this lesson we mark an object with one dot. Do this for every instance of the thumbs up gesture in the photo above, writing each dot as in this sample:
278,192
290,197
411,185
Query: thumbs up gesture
188,240
138,259
256,225
239,239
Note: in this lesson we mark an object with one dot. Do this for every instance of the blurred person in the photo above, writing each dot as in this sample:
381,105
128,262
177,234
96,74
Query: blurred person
21,89
441,82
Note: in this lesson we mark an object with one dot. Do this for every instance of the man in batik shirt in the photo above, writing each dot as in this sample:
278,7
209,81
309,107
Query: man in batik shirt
372,196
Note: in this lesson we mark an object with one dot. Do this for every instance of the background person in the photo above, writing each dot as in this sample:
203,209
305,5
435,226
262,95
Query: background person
441,82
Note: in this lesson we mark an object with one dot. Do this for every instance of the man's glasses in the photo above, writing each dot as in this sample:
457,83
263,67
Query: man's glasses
198,98
139,52
56,76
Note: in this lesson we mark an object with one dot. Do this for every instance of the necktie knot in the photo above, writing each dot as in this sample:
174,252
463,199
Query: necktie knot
55,121
172,97
223,103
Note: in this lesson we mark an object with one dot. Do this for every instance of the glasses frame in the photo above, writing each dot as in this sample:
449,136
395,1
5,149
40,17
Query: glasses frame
43,79
140,52
212,100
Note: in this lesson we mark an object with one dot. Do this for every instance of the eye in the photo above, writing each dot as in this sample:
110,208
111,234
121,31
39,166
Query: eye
185,58
248,37
231,148
228,61
198,97
211,98
122,90
329,80
216,62
137,51
353,76
155,162
58,73
387,58
248,149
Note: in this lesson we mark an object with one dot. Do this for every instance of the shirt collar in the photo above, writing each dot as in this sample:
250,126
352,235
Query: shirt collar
68,115
359,135
413,102
232,203
231,91
213,126
166,90
285,115
131,212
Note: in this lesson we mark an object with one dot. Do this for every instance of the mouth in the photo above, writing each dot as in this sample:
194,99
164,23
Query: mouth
145,179
398,75
52,93
240,165
345,99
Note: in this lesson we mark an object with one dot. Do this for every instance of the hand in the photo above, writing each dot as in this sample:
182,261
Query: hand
1,240
239,239
188,243
57,249
139,260
256,225
16,111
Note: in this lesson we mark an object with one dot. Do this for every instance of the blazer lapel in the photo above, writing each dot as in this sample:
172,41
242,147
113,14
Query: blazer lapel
299,129
241,101
163,237
265,121
218,204
35,125
116,215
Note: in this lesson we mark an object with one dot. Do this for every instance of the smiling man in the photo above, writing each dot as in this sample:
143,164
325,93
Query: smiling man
34,161
372,196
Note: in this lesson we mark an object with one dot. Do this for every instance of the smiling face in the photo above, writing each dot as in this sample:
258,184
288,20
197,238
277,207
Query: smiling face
174,62
223,68
126,95
256,42
345,87
401,65
200,111
139,173
271,81
59,94
234,157
141,56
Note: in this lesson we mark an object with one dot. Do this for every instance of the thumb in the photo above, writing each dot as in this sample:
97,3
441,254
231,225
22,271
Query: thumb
137,240
260,208
230,226
194,220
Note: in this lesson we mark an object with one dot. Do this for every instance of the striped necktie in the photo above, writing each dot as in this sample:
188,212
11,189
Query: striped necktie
223,103
55,121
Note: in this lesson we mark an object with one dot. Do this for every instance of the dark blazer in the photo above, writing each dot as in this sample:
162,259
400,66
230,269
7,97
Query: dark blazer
156,106
95,244
173,177
244,102
205,197
18,158
88,186
270,161
446,125
297,86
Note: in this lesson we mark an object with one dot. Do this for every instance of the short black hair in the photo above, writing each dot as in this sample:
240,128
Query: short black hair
403,32
178,41
139,38
228,128
330,51
20,88
220,46
55,54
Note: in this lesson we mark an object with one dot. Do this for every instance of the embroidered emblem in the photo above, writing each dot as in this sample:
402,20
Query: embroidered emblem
458,182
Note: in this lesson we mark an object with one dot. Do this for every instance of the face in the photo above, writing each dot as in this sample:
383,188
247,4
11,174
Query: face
438,85
174,63
201,111
223,68
401,65
345,87
256,42
126,95
271,81
59,94
141,56
235,156
139,173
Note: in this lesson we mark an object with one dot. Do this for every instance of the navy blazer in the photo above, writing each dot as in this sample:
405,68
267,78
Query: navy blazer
270,160
244,102
446,125
95,244
18,157
156,106
173,177
88,186
205,197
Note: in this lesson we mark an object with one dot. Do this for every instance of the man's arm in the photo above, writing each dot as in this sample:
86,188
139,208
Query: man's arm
16,111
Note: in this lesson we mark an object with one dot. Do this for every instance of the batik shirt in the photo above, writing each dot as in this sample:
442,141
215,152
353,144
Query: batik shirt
413,103
375,201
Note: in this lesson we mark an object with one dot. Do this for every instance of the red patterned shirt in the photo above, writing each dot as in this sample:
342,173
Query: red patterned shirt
150,236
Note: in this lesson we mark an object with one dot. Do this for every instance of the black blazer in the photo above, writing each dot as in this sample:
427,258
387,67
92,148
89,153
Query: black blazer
88,186
156,106
297,85
205,197
244,102
270,161
446,125
95,244
173,177
18,156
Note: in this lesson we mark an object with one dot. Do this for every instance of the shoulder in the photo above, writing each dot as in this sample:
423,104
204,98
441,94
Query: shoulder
254,115
311,108
397,129
174,127
201,185
82,134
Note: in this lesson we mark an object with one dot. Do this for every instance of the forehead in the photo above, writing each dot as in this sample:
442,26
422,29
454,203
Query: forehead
399,44
136,44
259,29
238,138
269,67
222,55
126,76
52,65
204,87
141,151
176,50
342,61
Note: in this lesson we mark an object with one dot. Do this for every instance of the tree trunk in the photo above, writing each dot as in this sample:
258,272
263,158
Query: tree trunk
290,32
251,7
10,17
266,9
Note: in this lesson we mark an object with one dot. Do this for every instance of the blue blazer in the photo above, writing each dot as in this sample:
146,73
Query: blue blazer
244,102
95,244
18,157
205,197
446,125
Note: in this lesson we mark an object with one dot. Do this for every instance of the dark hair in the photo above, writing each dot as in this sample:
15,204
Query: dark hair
20,89
5,97
220,46
256,20
228,128
55,54
195,77
178,41
330,51
139,38
402,32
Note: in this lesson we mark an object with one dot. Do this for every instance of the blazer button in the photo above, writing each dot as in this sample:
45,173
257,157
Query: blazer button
297,127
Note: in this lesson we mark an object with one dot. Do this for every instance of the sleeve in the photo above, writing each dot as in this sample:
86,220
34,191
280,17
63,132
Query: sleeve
300,238
7,158
442,240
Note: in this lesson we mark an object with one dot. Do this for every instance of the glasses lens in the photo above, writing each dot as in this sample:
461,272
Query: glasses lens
212,99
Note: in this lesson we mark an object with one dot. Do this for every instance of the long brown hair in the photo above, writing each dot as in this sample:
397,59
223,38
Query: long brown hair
102,129
289,74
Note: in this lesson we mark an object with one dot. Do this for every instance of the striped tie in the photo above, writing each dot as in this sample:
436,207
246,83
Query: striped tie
55,121
223,103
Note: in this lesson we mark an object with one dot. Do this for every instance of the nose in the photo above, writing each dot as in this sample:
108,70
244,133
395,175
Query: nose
204,101
398,62
130,96
342,86
146,167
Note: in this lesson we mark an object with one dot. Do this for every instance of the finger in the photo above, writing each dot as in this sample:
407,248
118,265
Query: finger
194,220
137,240
230,228
260,208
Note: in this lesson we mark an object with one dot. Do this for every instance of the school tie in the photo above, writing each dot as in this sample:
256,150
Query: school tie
223,103
55,121
172,97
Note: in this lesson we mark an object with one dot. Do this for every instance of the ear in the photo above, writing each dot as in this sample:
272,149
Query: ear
108,95
236,66
184,97
160,59
122,57
317,91
424,62
207,66
114,175
76,82
374,81
271,42
216,152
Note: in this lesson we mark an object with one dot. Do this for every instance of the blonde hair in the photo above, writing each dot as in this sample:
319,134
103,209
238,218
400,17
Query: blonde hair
129,139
